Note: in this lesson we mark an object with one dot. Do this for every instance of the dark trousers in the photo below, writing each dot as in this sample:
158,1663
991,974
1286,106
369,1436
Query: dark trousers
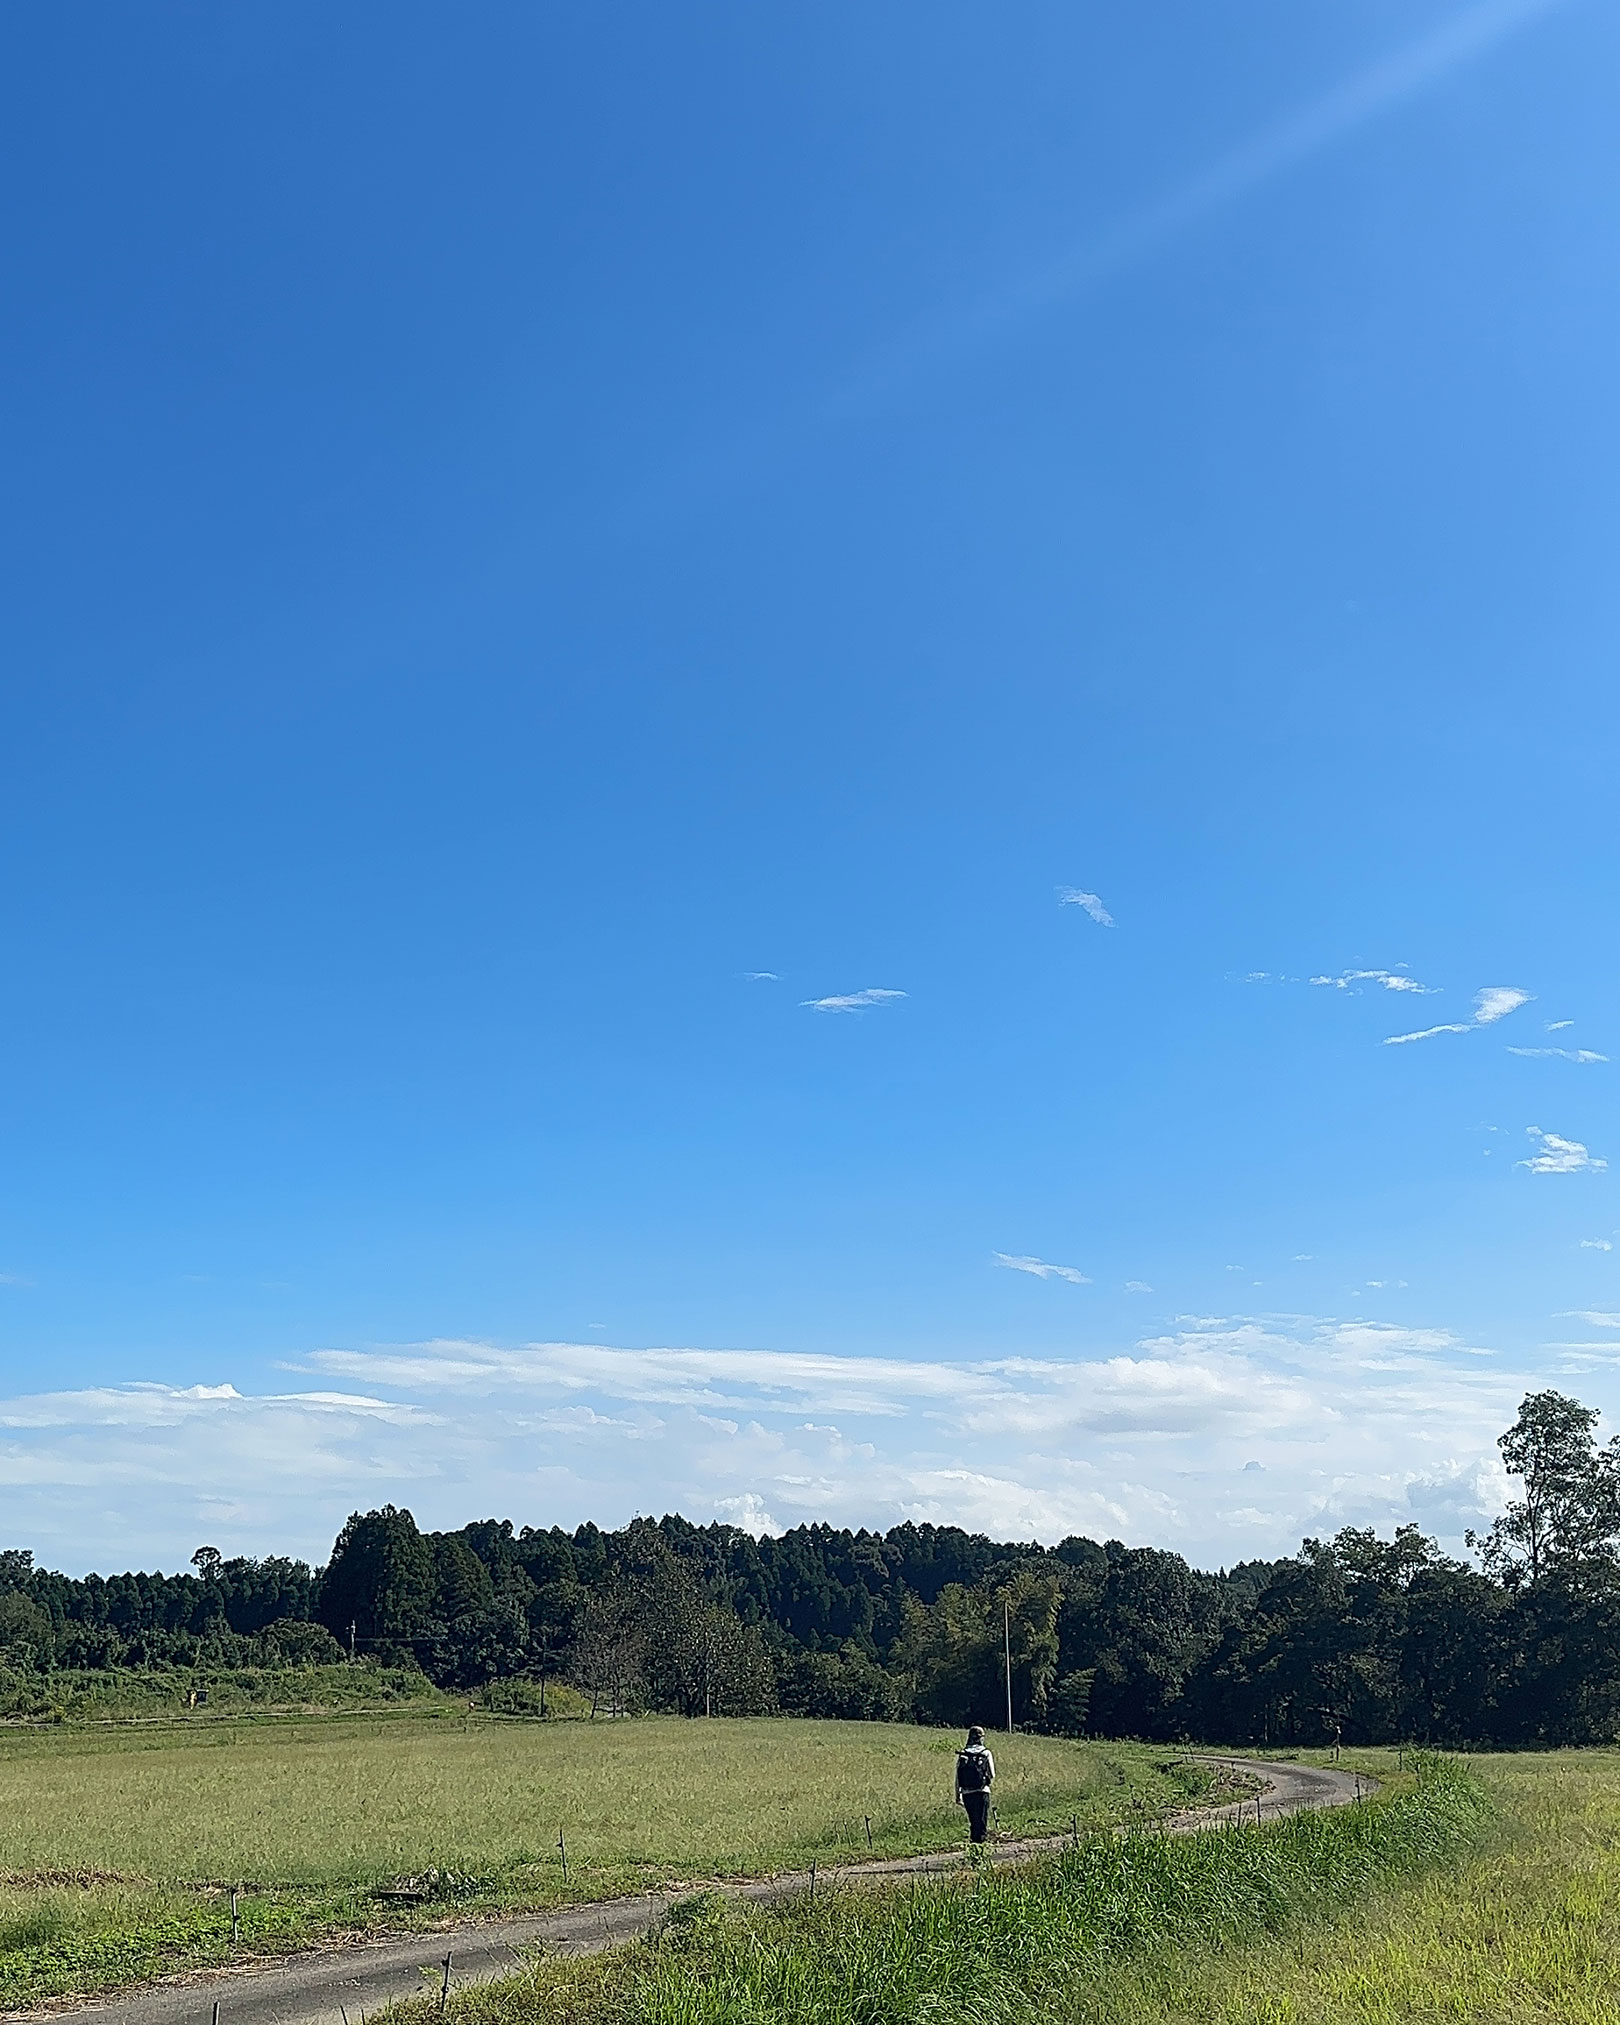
978,1813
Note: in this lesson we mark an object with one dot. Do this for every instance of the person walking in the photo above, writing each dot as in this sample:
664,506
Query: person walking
975,1775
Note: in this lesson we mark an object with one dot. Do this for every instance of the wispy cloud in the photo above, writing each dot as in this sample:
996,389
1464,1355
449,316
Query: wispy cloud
1496,1001
853,1001
1391,980
1596,1245
1596,1318
1071,896
1561,1054
1558,1026
1137,1287
761,976
1042,1270
1554,1155
1425,1034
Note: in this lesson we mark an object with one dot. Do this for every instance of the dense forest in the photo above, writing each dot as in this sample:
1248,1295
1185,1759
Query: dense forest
1356,1637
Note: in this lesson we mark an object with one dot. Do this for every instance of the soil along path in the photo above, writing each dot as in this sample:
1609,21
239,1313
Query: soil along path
361,1976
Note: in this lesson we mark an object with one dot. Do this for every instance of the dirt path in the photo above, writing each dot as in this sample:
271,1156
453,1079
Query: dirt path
357,1977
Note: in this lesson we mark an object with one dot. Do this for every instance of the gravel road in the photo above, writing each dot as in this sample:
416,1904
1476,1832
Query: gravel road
317,1988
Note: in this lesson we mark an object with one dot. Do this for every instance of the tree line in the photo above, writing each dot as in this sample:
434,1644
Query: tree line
1357,1637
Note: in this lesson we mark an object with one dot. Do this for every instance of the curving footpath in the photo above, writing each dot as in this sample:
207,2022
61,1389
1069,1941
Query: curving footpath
355,1977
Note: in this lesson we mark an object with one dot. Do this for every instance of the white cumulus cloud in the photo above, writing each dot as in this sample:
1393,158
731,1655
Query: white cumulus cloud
1496,1001
1554,1155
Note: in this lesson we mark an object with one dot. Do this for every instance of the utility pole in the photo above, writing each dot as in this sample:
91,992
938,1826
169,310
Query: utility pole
1006,1652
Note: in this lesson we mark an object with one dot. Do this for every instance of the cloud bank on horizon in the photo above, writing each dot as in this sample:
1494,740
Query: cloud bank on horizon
1354,1422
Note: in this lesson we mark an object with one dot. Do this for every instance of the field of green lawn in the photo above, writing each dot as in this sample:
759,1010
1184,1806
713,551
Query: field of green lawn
118,1844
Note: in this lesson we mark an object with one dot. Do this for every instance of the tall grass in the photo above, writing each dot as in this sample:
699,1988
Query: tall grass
995,1947
1525,1932
1018,1945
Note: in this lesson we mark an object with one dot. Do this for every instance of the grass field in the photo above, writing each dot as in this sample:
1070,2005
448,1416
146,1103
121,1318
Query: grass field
115,1844
1041,1942
1506,1916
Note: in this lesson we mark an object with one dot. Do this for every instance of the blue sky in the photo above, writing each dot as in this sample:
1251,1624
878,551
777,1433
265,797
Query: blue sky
545,549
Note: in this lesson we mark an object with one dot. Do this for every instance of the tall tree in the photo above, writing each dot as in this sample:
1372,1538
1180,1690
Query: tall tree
1567,1519
382,1579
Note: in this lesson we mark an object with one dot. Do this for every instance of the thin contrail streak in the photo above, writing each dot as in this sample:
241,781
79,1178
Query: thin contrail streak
1289,140
944,338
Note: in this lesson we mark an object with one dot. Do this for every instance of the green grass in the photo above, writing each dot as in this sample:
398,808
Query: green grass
1525,1932
116,1843
1043,1942
157,1694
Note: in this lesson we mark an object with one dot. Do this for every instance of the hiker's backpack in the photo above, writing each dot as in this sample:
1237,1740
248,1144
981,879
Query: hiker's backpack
972,1773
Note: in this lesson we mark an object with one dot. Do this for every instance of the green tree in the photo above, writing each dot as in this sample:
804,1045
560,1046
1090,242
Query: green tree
951,1653
25,1631
1033,1600
382,1579
1566,1521
462,1586
292,1641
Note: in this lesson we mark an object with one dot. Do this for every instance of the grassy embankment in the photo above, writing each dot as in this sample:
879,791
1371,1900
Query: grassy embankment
153,1694
1085,1936
115,1843
1525,1932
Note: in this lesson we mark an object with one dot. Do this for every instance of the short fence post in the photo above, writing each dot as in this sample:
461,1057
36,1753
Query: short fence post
562,1851
1074,1829
868,1819
216,2011
444,1987
236,1927
812,1877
